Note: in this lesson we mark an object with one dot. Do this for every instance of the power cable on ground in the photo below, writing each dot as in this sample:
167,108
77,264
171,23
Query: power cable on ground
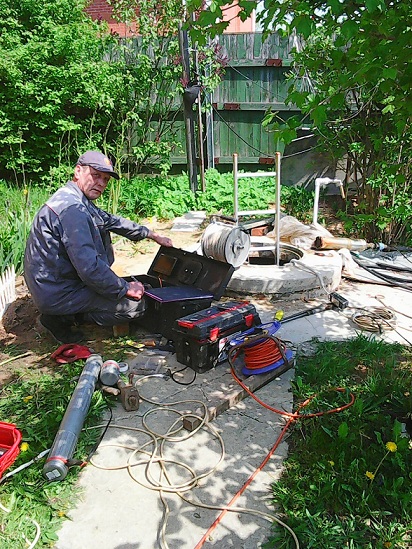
151,453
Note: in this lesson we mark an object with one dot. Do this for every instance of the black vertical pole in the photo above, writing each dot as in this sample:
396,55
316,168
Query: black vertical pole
188,113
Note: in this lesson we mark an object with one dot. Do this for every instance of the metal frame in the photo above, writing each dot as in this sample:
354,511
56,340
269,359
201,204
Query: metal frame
237,213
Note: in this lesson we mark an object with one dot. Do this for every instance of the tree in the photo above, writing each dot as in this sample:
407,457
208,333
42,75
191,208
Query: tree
155,65
54,84
67,84
356,57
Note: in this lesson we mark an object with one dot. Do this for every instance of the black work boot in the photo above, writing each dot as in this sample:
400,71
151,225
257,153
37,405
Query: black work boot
60,328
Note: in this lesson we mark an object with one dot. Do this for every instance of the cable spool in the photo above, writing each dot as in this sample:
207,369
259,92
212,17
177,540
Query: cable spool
225,243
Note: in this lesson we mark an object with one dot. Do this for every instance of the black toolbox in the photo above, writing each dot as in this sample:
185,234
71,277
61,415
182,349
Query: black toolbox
200,338
179,283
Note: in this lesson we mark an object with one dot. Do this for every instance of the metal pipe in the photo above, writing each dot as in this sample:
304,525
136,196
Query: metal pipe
235,189
277,218
56,467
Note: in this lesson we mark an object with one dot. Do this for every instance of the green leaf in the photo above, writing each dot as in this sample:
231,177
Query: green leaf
349,29
390,73
397,429
247,7
336,7
343,430
213,6
372,5
319,115
388,109
303,25
327,431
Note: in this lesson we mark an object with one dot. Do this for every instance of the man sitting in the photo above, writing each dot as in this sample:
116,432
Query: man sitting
68,256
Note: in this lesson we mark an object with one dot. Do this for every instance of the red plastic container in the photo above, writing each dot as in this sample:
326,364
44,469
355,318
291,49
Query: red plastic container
10,438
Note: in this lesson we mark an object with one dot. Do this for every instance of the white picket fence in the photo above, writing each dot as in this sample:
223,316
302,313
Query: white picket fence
7,289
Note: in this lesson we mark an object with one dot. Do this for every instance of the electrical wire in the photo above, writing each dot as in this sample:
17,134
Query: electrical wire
303,267
234,354
31,544
374,272
254,82
265,154
264,352
375,319
155,457
380,298
172,374
292,417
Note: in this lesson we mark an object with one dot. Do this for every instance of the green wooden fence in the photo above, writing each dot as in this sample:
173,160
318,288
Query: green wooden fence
254,82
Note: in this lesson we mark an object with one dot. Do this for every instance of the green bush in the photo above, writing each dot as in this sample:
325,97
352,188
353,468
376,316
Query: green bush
54,85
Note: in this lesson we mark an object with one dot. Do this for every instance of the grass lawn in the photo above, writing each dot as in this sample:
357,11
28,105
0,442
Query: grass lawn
348,478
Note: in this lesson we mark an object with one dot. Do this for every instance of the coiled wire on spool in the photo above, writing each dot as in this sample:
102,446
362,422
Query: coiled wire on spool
261,353
226,243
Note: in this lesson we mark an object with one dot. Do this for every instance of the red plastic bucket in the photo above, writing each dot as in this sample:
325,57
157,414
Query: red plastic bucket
10,438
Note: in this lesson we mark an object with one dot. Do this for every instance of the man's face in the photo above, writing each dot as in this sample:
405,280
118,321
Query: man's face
91,182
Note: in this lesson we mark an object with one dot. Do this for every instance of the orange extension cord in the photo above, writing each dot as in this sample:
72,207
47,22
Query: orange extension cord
265,352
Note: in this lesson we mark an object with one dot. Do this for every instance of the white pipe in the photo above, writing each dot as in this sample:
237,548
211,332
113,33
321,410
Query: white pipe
322,182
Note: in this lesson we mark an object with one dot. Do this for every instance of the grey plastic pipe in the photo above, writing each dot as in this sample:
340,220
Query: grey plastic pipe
65,441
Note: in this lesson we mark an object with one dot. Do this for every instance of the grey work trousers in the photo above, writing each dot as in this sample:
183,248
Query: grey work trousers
107,312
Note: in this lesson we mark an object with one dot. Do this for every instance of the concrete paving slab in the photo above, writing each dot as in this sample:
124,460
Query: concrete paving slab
116,512
189,222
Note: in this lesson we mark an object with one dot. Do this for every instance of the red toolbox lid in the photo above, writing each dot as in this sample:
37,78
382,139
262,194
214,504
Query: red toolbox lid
182,268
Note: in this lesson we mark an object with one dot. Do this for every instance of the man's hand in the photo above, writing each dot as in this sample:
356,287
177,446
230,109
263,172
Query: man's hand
135,290
161,240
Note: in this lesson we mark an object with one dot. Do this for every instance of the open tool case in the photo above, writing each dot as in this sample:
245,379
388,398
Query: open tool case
179,283
200,338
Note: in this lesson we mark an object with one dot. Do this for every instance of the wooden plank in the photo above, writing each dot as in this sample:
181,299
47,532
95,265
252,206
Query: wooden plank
224,401
263,106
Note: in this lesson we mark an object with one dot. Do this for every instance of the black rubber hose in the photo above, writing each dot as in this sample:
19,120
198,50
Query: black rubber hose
379,275
384,265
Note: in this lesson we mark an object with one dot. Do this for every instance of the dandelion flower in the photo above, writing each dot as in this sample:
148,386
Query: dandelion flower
24,446
391,447
27,398
331,463
370,475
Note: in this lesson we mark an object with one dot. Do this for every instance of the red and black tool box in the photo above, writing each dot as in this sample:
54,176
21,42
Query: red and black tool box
179,283
200,338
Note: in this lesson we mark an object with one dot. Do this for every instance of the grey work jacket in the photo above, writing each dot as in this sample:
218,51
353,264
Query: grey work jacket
69,253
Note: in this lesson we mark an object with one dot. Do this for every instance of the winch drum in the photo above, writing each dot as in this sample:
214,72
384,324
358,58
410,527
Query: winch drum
226,243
